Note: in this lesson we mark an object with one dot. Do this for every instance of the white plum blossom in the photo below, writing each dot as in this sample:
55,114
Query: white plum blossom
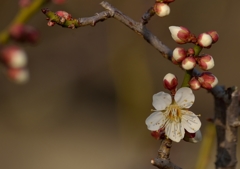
173,114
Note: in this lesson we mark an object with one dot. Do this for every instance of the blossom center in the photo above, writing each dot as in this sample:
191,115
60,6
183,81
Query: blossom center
173,113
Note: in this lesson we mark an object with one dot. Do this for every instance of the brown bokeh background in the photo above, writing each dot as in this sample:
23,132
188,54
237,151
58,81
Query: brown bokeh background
91,88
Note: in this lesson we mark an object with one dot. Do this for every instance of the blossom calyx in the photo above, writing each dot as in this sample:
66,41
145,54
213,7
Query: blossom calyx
170,81
207,80
194,84
180,34
205,62
190,52
193,137
161,9
188,63
204,40
179,54
214,36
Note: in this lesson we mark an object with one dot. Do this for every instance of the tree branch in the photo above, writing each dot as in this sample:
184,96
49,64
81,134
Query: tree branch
226,102
226,112
163,161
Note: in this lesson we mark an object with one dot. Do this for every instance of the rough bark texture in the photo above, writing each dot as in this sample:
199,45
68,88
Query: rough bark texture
226,120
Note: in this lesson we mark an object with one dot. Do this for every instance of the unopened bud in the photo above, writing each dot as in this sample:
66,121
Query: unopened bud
208,80
170,81
16,32
194,84
18,75
188,63
180,34
31,34
161,9
14,57
24,33
204,40
205,62
24,3
64,15
214,36
179,54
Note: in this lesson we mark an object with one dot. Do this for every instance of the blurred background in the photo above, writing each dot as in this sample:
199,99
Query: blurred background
91,88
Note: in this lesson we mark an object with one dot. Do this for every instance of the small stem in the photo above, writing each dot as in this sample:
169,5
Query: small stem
188,73
187,77
197,50
21,17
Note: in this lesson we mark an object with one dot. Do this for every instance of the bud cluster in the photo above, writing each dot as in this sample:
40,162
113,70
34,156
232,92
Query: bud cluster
182,35
188,59
205,80
15,60
63,15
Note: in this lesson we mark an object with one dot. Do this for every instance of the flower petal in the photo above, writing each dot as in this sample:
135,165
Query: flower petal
195,139
174,131
155,121
184,97
190,121
161,100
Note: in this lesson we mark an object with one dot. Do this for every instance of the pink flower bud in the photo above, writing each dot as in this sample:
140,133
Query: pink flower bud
18,75
16,32
170,81
207,80
58,2
64,15
188,63
205,62
161,9
14,57
214,36
194,84
23,33
180,34
204,40
31,34
179,54
24,3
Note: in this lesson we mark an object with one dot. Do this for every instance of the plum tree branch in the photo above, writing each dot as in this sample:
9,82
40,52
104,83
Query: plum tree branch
226,101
